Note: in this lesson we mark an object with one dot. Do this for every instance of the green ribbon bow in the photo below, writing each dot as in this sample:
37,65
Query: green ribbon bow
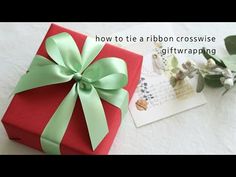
102,79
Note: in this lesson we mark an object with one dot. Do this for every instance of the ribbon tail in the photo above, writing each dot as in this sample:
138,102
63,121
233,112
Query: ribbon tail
118,98
94,115
54,131
37,61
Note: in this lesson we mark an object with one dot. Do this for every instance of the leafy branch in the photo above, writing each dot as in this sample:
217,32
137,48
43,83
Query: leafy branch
218,72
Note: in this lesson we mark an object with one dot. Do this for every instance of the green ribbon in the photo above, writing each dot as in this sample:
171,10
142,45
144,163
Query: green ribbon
102,79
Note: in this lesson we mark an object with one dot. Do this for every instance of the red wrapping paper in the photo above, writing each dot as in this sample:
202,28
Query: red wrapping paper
30,111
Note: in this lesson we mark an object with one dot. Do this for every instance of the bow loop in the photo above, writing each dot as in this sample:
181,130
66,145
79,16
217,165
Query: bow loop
107,73
90,51
64,51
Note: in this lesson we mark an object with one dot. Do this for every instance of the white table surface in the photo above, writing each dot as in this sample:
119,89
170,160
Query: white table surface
209,129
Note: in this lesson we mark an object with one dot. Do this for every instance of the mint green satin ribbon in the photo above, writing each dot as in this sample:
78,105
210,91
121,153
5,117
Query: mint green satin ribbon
102,79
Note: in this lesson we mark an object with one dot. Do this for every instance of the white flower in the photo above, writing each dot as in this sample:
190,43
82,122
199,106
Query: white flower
228,79
228,83
180,75
218,70
222,80
211,63
190,68
189,65
227,73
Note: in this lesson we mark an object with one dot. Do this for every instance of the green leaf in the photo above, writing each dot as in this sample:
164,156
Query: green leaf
175,70
174,62
173,81
230,62
213,80
218,61
230,44
200,83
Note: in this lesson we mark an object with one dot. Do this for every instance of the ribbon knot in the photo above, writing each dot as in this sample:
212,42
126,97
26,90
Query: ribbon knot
84,83
77,77
103,79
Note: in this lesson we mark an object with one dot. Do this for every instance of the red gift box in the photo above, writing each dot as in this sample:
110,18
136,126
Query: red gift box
30,111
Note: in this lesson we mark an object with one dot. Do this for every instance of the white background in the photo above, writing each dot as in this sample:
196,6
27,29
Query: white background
209,129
